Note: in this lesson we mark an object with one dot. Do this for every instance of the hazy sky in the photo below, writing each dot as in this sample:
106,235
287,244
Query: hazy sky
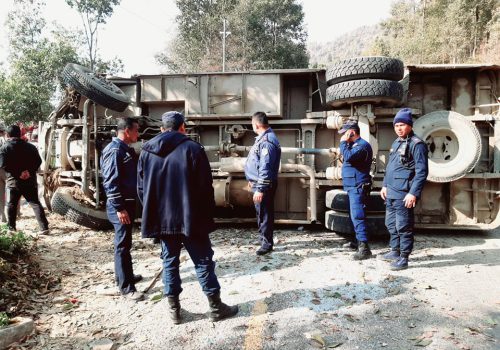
139,29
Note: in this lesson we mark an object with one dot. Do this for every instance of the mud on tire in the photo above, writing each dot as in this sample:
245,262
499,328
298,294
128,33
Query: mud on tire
96,88
64,204
365,68
368,91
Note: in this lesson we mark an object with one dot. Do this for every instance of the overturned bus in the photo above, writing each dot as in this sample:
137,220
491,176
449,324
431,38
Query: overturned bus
456,111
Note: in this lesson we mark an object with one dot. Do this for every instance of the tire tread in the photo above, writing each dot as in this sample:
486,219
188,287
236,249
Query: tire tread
365,68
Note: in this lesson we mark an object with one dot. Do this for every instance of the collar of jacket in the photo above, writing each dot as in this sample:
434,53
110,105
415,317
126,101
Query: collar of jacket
259,137
407,138
120,142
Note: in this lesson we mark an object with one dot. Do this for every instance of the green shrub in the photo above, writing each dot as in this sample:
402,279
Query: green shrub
13,243
4,319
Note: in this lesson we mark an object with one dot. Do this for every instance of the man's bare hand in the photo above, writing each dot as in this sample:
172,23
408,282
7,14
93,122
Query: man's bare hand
123,217
257,197
25,175
383,193
410,201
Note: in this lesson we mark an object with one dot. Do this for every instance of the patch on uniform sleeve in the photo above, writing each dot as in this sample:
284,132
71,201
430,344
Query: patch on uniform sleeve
265,152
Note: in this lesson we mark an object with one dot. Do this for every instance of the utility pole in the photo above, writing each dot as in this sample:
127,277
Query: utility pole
224,34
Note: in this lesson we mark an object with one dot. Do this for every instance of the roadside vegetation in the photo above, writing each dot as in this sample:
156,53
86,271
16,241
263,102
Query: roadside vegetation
20,275
4,319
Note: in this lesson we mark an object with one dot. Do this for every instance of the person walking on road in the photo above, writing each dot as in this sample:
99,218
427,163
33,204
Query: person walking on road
119,172
20,160
404,181
175,188
357,157
261,171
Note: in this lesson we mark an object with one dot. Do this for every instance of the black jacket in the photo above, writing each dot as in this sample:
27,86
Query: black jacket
174,184
17,155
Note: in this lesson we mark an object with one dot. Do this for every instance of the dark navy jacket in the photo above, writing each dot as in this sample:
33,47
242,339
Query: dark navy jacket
263,161
175,187
357,162
119,172
408,167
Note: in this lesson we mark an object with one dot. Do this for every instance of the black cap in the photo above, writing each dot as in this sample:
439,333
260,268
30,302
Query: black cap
349,125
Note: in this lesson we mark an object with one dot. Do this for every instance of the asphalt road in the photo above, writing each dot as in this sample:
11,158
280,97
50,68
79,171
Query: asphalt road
307,294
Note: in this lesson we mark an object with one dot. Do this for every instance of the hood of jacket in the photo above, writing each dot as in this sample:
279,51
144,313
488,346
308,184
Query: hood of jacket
15,141
163,144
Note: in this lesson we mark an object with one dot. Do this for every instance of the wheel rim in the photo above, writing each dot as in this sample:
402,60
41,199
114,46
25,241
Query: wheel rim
443,146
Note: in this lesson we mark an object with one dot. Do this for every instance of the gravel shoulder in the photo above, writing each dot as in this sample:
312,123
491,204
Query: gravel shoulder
307,294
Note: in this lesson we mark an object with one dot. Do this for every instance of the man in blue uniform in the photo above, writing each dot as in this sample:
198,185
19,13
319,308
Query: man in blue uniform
119,172
175,187
357,157
404,181
261,170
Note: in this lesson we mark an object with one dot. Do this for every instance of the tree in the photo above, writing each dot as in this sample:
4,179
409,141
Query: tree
198,45
438,31
272,34
93,13
35,61
24,29
264,34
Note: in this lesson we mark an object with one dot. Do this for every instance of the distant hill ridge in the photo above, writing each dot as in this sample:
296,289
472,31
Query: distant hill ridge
354,43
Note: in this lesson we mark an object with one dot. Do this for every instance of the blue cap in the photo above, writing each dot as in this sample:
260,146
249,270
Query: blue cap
404,116
349,125
176,119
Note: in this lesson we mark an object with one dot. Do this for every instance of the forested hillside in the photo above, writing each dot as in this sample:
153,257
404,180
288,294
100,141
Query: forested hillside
355,43
423,31
442,31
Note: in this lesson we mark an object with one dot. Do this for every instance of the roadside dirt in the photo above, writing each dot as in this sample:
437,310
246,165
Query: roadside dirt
307,294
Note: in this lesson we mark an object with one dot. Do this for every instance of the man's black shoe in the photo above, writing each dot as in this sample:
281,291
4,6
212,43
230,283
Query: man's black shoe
350,245
264,251
137,279
219,310
363,252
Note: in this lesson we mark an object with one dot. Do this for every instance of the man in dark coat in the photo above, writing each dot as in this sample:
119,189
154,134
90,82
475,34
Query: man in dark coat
21,160
175,188
119,173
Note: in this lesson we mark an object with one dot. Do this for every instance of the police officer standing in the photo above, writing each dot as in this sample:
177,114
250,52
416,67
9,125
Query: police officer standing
404,180
261,170
119,172
357,157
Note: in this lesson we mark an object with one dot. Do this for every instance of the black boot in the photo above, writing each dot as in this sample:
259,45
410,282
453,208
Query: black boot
175,309
219,310
363,252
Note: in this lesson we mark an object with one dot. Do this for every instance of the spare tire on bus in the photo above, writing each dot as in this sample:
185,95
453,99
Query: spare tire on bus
364,91
64,204
95,87
370,67
340,223
454,144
